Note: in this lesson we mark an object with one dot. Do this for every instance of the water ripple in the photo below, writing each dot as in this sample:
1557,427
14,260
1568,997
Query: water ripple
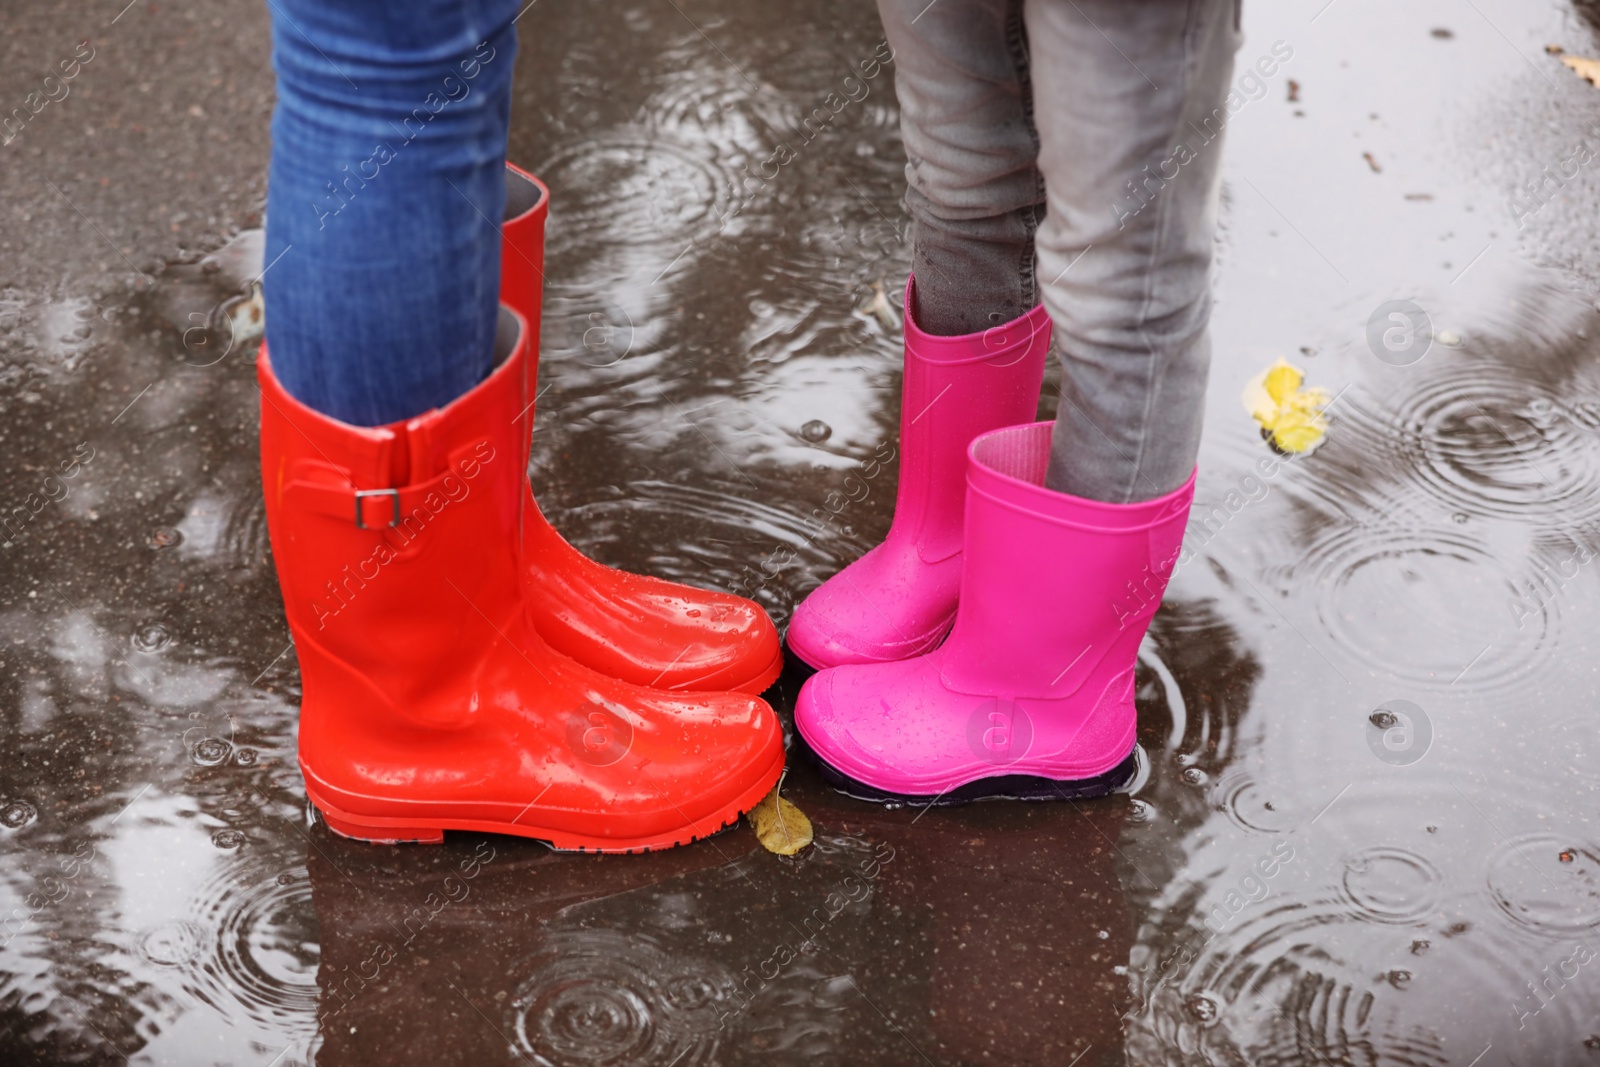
1261,994
260,947
1254,806
1424,605
725,541
151,638
633,187
16,813
1390,885
1547,884
605,999
1490,441
172,944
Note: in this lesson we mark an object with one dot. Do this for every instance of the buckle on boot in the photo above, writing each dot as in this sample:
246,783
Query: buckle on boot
394,501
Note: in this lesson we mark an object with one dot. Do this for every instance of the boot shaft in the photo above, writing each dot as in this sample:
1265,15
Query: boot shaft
385,539
954,389
522,250
1053,587
522,283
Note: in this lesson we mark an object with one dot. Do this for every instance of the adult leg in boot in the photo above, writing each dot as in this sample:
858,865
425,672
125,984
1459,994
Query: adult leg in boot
394,467
382,271
429,703
638,628
899,599
1031,697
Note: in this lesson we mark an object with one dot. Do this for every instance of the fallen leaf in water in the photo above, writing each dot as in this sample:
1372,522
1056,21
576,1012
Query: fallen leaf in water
877,308
1291,416
1282,380
780,826
1587,69
247,317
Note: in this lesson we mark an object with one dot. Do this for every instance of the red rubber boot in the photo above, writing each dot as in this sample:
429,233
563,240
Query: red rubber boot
429,702
641,629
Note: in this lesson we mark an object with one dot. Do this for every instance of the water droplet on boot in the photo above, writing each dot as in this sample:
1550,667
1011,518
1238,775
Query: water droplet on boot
227,839
166,537
816,431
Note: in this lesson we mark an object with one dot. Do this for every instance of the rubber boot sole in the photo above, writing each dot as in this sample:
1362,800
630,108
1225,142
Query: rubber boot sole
422,830
807,668
763,681
1025,787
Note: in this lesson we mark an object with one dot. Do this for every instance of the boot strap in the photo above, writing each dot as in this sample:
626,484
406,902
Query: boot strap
332,492
394,501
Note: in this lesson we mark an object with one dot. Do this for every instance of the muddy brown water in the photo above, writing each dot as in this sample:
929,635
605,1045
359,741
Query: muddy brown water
1367,832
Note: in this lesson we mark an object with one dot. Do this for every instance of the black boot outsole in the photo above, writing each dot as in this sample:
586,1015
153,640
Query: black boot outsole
1024,787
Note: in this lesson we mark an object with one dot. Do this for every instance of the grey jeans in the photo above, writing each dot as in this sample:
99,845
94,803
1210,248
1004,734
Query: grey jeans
1068,151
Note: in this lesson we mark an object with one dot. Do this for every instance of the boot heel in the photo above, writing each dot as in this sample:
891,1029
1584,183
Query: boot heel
398,834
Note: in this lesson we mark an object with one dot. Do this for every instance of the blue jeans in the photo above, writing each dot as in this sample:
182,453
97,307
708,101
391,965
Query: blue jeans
1110,113
384,199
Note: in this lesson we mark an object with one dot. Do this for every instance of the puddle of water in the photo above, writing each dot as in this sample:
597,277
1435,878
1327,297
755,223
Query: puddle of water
1364,832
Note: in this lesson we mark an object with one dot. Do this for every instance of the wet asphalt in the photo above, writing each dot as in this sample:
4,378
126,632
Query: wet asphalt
1367,829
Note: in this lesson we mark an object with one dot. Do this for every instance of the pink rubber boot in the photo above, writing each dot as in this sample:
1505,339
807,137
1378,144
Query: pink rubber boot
1031,697
899,599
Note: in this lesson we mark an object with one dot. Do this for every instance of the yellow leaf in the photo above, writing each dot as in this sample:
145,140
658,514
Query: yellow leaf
780,826
1291,415
1297,431
877,307
1282,381
1587,69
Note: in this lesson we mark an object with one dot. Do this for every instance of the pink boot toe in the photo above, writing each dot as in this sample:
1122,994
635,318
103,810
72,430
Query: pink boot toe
888,605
